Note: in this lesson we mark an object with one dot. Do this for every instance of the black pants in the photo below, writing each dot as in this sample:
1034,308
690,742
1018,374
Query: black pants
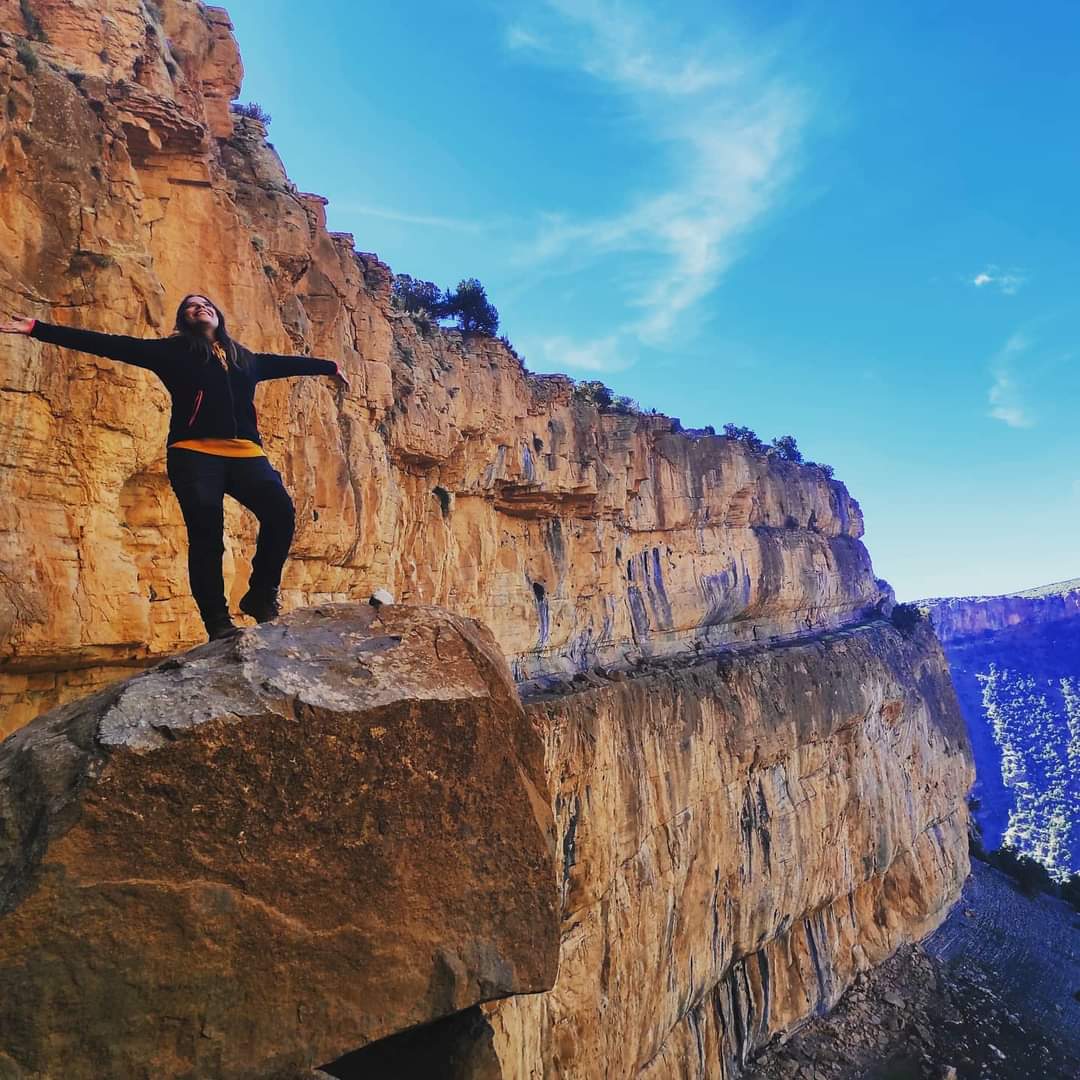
201,482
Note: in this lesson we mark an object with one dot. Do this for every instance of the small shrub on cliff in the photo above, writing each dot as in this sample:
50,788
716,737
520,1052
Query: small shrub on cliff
593,392
253,111
746,436
27,57
906,617
469,304
826,470
34,30
413,295
509,346
786,449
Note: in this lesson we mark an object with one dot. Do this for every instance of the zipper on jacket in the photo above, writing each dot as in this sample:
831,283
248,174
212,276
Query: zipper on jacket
195,411
232,404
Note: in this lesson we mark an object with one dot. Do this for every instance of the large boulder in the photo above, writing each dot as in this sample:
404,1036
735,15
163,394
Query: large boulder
270,851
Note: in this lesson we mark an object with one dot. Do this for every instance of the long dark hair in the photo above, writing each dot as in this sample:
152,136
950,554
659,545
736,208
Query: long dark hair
198,343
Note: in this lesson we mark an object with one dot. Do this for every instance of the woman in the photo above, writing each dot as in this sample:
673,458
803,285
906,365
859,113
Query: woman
214,447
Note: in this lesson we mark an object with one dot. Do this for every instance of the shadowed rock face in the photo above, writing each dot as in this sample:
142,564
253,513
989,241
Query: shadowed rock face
273,850
739,838
448,473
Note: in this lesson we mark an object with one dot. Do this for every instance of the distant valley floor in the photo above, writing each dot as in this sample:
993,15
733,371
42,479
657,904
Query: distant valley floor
993,994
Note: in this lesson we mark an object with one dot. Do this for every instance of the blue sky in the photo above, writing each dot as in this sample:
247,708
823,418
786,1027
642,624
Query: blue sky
856,224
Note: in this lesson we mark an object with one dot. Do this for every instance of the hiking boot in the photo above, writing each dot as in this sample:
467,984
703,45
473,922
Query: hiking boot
221,627
261,606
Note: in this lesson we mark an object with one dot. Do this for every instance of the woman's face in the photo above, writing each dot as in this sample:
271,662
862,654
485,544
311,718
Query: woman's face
199,313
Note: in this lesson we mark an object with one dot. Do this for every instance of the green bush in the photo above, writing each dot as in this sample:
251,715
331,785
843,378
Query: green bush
786,449
27,57
469,304
413,295
253,111
593,392
746,436
34,30
906,617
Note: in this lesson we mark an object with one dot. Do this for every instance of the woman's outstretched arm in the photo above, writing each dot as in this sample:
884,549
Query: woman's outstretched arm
270,366
144,353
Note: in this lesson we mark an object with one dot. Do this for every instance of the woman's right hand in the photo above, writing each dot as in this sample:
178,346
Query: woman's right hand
20,324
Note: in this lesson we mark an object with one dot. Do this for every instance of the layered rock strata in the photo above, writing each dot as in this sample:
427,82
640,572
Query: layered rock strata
272,850
740,838
313,808
448,474
958,618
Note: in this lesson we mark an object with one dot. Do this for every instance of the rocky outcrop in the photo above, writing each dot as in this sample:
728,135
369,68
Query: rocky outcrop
449,474
271,851
958,618
1015,661
310,818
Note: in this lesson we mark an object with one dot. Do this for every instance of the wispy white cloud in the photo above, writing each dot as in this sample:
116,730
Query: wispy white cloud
429,220
1005,395
724,130
518,37
1008,282
597,355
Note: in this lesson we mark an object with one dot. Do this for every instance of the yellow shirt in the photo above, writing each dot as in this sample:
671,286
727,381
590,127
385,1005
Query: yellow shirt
221,447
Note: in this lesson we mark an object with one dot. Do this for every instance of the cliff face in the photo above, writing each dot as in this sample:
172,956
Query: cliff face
756,784
449,474
961,617
739,839
1015,661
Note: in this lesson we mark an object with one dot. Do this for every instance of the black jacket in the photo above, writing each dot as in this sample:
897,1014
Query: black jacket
207,401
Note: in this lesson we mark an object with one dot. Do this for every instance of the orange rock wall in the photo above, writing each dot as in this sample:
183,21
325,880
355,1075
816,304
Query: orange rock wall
448,474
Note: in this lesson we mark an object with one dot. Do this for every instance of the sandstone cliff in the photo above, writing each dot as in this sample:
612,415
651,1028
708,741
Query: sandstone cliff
449,474
1015,661
756,783
739,839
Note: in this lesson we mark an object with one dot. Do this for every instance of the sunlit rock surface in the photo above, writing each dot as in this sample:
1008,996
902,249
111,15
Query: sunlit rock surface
273,850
